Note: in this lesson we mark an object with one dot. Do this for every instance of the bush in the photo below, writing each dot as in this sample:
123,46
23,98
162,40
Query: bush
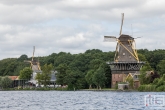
160,82
160,88
143,88
5,82
156,80
116,86
163,77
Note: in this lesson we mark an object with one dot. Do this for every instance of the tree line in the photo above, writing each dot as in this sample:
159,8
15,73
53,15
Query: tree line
83,70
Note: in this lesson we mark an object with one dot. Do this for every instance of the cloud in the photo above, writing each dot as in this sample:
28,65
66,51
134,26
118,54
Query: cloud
77,25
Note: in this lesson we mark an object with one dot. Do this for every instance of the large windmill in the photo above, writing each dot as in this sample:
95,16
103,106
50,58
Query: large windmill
126,58
34,64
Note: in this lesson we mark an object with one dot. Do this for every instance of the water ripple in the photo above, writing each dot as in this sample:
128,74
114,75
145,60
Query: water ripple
70,100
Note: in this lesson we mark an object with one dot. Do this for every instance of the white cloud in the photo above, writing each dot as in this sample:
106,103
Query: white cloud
77,25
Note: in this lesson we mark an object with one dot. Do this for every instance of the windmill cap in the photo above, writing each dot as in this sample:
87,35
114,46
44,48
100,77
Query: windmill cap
125,38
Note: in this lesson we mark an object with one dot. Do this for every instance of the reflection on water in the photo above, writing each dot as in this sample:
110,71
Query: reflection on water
53,100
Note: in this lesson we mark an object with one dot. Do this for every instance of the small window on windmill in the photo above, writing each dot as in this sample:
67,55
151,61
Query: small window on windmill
123,53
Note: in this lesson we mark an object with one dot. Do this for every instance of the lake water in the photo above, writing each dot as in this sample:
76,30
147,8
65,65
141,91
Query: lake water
70,100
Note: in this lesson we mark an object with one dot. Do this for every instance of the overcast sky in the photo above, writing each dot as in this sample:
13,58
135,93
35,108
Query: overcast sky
77,25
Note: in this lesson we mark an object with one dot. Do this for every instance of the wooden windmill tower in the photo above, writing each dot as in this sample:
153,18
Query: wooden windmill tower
34,64
126,58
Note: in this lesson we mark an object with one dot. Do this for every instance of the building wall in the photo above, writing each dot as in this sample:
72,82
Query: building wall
116,78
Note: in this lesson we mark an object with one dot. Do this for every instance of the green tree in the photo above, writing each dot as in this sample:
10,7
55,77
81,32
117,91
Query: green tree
144,79
25,73
99,77
45,76
95,64
130,81
74,79
61,74
5,82
161,67
39,78
22,58
88,78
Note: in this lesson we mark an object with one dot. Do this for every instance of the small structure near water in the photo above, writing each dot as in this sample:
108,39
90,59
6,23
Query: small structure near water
123,86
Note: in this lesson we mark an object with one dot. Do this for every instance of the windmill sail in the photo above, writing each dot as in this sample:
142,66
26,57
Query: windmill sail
121,23
110,39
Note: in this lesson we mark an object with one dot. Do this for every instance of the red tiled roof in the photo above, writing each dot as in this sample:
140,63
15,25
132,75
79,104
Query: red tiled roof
13,77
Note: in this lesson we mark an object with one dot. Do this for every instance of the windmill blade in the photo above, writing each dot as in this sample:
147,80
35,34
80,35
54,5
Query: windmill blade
137,37
33,52
115,58
38,64
31,65
121,23
110,39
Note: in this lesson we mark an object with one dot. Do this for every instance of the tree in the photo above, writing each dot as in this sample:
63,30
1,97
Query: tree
61,74
74,79
22,58
39,78
88,78
161,67
99,77
5,82
130,81
143,78
95,64
25,73
45,76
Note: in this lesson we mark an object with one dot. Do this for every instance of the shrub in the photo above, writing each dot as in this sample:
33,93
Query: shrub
163,77
160,82
160,88
156,80
143,88
116,86
5,82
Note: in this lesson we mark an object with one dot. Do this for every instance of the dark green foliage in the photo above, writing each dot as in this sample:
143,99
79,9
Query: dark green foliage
154,76
22,58
99,77
148,88
74,79
88,78
161,67
11,66
61,75
153,57
157,85
83,63
143,78
160,88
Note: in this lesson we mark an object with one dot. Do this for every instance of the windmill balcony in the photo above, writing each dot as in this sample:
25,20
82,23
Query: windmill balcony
125,65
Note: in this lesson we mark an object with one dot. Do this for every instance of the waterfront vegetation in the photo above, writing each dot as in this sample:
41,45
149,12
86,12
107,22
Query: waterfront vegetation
87,70
158,85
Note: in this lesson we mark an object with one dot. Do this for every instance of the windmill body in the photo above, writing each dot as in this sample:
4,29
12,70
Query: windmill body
35,66
126,58
126,52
